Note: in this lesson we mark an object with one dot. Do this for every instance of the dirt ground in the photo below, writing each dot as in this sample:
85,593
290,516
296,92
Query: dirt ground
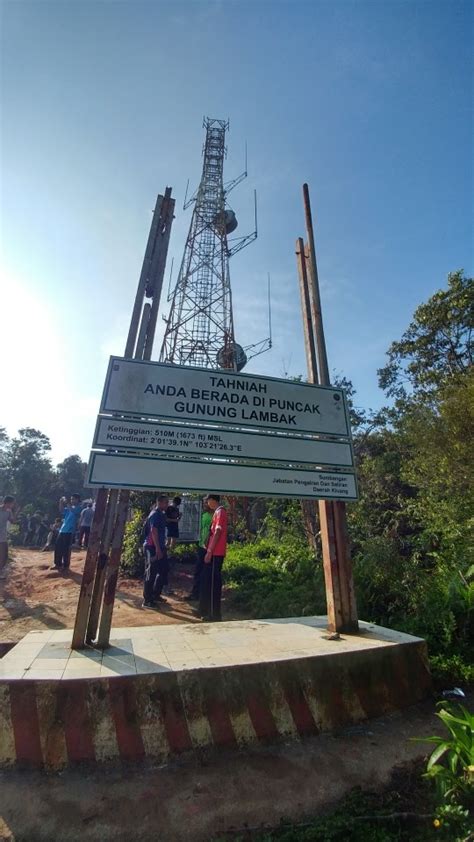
199,798
212,797
32,596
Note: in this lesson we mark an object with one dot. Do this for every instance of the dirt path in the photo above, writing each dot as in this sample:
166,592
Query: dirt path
32,596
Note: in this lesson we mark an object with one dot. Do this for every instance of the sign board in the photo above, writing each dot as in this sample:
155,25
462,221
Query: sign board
152,473
183,393
217,442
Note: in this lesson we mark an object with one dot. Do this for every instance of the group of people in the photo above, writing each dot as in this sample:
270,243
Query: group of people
161,531
207,585
74,529
71,529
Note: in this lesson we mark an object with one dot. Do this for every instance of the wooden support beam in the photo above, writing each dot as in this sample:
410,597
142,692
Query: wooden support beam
89,572
337,565
112,570
99,580
100,573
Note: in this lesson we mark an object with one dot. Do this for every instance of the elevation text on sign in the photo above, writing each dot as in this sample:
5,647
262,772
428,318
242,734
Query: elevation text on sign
217,442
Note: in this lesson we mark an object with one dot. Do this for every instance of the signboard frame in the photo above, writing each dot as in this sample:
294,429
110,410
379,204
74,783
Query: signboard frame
107,408
205,487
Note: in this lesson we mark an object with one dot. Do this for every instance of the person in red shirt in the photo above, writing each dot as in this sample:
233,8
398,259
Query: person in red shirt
211,576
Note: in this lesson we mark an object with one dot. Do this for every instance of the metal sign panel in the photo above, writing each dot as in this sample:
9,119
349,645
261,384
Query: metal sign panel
217,442
190,522
148,472
148,389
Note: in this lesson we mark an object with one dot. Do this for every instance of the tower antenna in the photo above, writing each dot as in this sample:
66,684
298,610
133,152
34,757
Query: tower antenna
200,326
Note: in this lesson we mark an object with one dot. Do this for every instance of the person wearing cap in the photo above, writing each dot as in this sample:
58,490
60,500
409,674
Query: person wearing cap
211,575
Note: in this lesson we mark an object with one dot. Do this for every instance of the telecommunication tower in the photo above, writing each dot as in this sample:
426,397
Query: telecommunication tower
200,325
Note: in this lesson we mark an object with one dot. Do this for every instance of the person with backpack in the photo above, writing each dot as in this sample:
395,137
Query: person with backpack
206,518
156,561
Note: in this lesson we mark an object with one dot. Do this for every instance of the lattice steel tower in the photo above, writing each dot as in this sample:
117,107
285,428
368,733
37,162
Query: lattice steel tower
200,326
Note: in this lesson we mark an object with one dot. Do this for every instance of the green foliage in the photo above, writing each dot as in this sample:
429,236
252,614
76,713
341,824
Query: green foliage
451,764
454,822
132,562
26,472
271,578
437,346
449,670
185,553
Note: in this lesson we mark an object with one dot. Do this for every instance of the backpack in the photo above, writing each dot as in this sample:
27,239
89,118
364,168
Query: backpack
145,530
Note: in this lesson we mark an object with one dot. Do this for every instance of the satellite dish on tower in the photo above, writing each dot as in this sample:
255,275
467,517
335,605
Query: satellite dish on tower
232,357
225,222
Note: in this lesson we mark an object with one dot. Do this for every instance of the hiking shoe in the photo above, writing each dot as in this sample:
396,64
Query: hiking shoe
148,605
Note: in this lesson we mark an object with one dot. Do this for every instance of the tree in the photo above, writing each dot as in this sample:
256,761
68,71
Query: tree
70,476
27,470
437,348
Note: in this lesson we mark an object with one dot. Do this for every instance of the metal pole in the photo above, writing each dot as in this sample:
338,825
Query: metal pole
337,565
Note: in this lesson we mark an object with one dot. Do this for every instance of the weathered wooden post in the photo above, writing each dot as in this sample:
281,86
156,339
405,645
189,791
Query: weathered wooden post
100,573
337,564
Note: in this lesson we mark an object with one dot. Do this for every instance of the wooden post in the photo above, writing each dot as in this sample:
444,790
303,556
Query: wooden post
111,572
307,315
142,352
111,510
89,572
337,565
97,592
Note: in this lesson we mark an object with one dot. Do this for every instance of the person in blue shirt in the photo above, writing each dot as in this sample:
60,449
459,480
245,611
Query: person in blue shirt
71,514
156,561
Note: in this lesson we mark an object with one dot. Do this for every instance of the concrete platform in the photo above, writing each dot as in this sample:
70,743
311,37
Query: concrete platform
161,690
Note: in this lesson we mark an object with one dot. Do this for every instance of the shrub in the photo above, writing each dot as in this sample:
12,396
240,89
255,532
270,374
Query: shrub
270,578
132,562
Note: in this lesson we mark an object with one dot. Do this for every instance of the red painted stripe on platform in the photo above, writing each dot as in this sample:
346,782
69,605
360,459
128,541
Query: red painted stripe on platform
174,716
216,710
221,724
77,724
124,710
262,718
24,714
254,684
294,695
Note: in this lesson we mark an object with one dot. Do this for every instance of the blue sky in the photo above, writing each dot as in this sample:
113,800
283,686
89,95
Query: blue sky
370,102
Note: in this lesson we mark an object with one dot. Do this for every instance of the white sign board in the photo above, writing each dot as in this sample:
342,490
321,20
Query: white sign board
148,389
217,442
147,472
